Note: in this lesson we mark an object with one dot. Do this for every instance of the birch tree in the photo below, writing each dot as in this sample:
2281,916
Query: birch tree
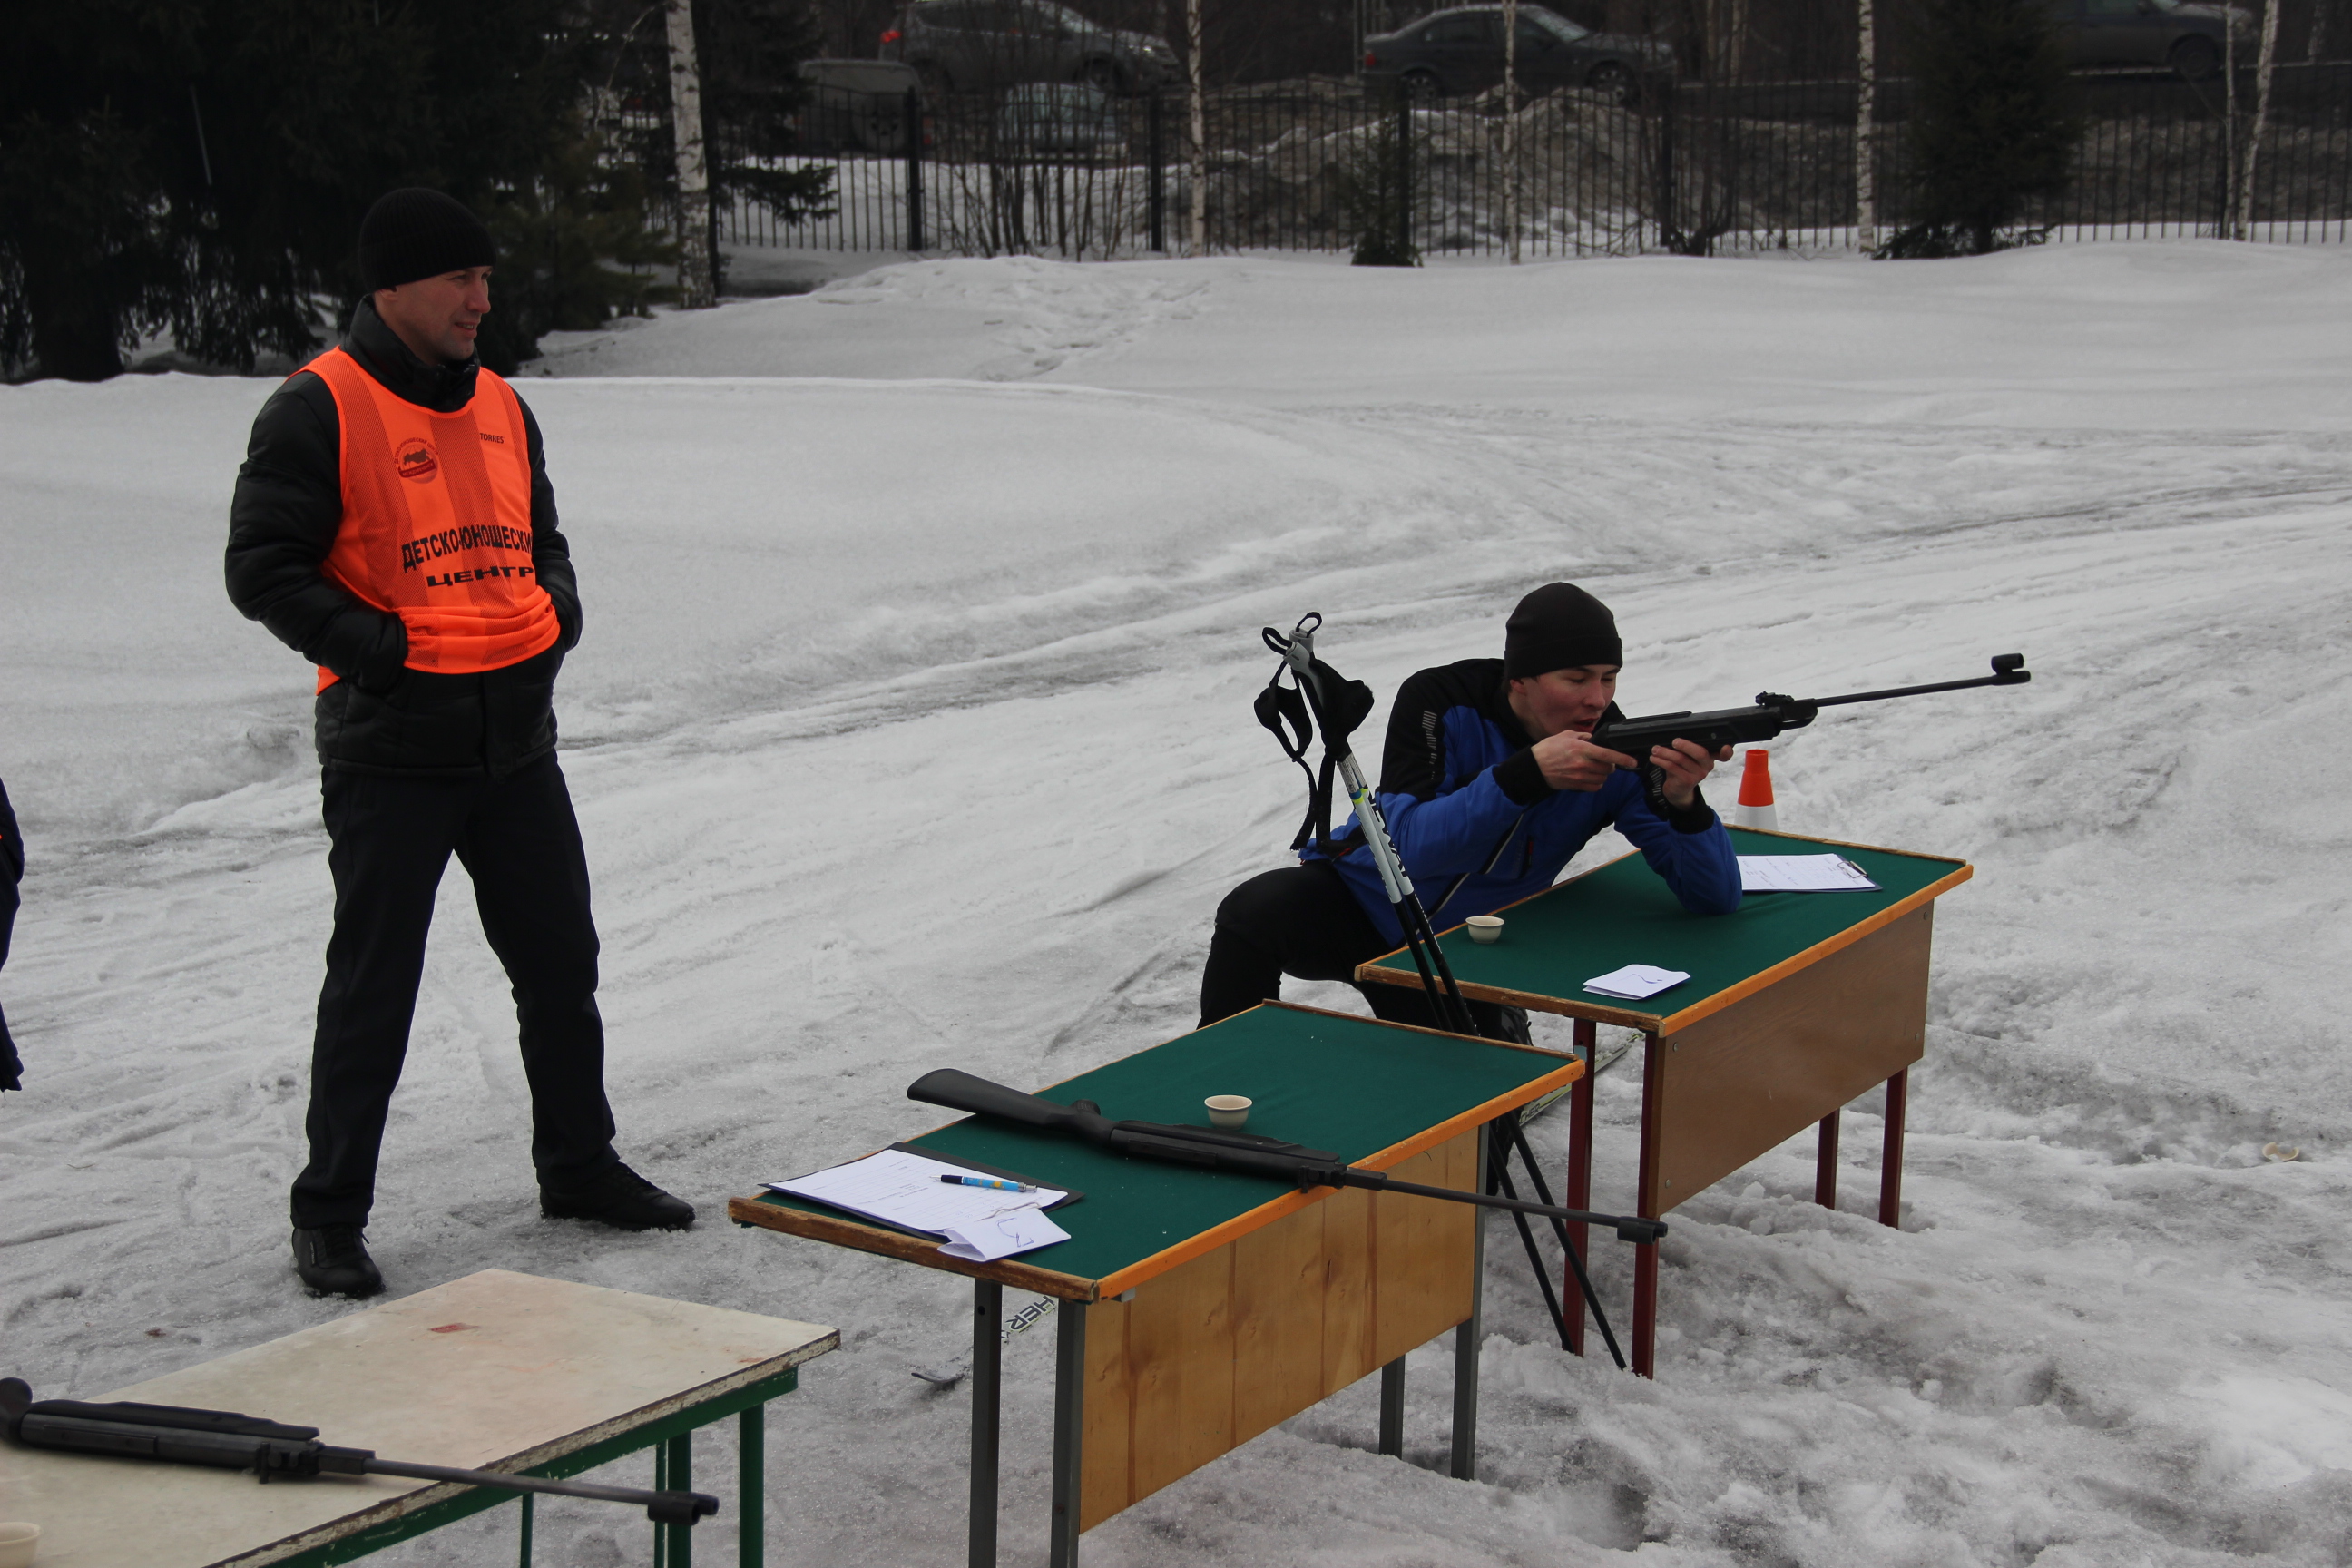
1511,129
694,275
2263,65
1865,162
1199,129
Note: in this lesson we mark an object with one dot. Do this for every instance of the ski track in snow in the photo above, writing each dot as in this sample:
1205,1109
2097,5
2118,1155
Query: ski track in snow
911,726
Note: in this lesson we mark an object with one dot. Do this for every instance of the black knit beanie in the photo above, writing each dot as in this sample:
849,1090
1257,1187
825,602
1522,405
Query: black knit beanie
419,233
1557,626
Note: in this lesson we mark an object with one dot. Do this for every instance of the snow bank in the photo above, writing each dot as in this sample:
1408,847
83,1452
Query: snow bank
912,726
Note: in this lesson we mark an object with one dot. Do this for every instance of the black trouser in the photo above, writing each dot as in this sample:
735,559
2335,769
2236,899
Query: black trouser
520,842
1302,920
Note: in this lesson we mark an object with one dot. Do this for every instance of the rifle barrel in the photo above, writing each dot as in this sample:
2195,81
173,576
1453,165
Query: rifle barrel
2006,674
684,1507
1629,1227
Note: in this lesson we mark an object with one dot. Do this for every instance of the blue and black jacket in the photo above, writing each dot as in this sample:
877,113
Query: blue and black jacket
1478,827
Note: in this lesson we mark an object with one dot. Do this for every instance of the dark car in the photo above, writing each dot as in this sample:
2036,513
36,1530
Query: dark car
856,106
980,45
2155,34
1457,52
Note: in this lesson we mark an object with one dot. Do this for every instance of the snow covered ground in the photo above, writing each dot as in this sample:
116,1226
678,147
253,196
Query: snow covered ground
911,728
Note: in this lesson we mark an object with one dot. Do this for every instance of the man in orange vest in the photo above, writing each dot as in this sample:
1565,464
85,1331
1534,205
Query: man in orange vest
393,523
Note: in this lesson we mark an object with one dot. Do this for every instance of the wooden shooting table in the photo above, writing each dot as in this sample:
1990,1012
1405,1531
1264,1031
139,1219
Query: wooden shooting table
494,1372
1199,1309
1796,1004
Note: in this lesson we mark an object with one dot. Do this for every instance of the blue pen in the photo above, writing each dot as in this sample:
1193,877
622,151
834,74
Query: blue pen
987,1181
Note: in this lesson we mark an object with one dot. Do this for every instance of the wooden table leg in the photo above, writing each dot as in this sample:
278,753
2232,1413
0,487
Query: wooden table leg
987,1415
1890,1177
1825,1168
1069,1433
1580,1178
1467,1341
1650,1207
1393,1409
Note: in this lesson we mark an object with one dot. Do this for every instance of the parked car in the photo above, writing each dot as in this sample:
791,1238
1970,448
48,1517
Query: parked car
1058,117
1456,52
856,106
981,46
2157,34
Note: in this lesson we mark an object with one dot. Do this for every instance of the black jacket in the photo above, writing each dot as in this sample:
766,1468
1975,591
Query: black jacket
383,717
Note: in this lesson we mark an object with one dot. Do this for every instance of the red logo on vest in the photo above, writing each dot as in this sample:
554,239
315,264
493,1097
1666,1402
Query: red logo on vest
417,460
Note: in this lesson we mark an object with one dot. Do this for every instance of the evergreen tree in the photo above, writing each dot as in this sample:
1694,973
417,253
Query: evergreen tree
1994,128
201,167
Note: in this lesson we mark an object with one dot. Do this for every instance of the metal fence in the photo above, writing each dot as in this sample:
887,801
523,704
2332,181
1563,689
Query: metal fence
1308,166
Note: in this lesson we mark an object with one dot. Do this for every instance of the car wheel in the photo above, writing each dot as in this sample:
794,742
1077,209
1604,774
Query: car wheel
2196,58
1420,84
934,78
1614,83
1102,73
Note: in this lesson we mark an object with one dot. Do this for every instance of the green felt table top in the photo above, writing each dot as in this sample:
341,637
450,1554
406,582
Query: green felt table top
1351,1085
1624,914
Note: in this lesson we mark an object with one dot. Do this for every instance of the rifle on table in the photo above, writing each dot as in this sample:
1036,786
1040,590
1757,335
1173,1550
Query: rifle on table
1240,1154
1771,714
272,1449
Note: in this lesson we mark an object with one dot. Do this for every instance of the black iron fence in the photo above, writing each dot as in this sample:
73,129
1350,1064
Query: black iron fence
1069,169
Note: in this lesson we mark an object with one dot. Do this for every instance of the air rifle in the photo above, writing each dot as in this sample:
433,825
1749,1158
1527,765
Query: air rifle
1240,1154
1771,714
272,1449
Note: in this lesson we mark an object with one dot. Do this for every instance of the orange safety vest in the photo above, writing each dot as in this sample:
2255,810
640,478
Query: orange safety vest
436,521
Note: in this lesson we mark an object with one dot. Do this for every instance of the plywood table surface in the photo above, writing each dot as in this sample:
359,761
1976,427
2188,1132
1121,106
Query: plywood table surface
495,1371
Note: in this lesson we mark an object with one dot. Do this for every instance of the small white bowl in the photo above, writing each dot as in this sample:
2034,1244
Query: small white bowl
18,1544
1228,1111
1484,928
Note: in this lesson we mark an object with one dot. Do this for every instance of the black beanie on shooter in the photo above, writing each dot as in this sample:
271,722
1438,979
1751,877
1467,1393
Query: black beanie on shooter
419,233
1557,626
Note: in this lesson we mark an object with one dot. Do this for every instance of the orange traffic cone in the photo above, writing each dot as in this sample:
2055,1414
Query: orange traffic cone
1756,807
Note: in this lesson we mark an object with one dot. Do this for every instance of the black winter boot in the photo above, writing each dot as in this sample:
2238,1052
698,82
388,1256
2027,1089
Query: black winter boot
620,1198
333,1261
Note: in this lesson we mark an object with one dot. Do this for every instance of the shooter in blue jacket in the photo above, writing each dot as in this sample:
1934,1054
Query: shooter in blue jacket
1490,787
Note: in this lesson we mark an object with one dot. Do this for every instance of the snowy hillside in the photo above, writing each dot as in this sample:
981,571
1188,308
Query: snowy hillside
911,728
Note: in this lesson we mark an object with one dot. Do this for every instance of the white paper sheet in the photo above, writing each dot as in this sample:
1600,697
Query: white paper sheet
1803,874
1001,1235
904,1189
1636,982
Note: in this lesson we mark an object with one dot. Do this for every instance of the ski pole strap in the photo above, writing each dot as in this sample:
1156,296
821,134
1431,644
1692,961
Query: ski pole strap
1285,711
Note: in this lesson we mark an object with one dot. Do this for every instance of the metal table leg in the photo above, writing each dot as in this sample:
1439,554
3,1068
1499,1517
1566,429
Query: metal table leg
1392,1408
526,1530
1890,1177
1825,1168
751,1488
1069,1432
1652,1202
1580,1178
987,1416
1467,1341
674,1472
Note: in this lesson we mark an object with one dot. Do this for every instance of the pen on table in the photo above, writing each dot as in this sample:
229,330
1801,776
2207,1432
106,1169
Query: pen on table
988,1182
